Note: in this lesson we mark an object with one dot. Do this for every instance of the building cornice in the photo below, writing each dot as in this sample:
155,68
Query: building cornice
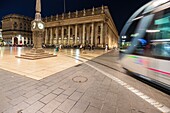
73,21
3,31
18,16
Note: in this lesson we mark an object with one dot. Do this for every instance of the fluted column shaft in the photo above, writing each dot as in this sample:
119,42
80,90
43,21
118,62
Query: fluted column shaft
101,34
68,35
76,34
84,33
62,35
92,33
56,32
51,36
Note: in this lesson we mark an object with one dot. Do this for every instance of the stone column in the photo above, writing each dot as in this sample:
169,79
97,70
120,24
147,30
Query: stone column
101,34
76,34
13,40
96,35
19,39
105,34
26,40
56,33
68,35
46,36
22,40
92,33
84,28
80,34
30,40
87,34
51,36
62,35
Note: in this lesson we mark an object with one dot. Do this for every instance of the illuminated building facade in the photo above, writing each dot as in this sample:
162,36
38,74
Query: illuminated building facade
16,29
92,26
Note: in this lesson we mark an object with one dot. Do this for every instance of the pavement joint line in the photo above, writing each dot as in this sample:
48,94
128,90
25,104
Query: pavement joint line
157,105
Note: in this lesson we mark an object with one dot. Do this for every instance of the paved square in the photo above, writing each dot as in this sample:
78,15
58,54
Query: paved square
39,69
58,93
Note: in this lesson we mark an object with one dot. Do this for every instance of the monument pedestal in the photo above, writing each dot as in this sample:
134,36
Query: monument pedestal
39,50
36,55
37,28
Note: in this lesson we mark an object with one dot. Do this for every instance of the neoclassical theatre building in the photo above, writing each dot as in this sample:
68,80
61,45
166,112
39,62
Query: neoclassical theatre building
92,26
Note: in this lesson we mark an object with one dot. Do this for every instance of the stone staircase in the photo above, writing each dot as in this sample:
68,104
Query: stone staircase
35,56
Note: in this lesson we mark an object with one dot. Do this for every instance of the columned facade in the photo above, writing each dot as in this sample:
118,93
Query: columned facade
93,26
93,33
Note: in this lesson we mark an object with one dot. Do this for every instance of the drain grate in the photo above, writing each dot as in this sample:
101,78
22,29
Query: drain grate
80,79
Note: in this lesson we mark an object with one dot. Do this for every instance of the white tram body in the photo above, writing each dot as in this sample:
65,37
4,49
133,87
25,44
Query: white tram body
145,40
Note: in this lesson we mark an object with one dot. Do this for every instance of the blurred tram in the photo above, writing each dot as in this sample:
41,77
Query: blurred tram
145,42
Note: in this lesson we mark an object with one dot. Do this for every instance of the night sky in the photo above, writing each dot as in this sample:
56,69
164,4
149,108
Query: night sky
120,10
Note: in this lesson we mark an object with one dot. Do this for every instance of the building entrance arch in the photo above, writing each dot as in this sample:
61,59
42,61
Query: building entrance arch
15,41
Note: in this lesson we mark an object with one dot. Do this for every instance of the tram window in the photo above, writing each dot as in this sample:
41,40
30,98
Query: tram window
161,49
143,47
159,34
130,34
160,26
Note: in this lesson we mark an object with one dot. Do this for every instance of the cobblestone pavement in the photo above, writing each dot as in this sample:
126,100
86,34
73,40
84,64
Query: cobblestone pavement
79,89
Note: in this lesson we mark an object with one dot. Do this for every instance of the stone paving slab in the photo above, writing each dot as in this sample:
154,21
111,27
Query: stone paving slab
58,93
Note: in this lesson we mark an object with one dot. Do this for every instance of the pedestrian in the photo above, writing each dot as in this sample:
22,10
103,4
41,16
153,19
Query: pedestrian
106,47
92,47
81,46
89,47
60,47
56,48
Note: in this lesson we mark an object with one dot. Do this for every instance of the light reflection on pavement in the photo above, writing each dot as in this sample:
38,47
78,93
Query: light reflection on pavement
39,69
